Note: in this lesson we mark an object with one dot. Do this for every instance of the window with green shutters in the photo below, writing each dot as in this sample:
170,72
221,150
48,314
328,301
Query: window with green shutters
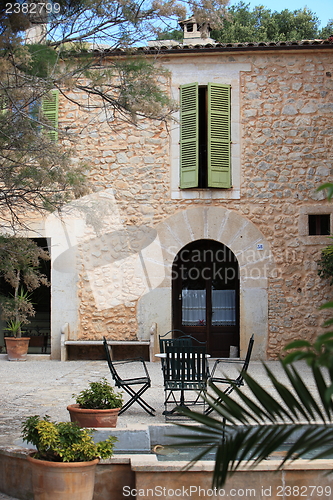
205,153
47,106
50,105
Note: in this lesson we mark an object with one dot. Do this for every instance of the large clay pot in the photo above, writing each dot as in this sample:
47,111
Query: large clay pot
63,480
93,418
17,348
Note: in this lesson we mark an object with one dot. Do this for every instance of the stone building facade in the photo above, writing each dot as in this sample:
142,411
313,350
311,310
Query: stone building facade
114,252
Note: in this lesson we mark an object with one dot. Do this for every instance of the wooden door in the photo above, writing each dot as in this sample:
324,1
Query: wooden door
205,295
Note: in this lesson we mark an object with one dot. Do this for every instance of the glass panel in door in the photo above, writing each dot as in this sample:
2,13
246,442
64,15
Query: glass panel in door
193,307
224,307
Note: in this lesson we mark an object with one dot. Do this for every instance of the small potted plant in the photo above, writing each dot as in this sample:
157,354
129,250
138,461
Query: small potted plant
96,406
64,464
16,309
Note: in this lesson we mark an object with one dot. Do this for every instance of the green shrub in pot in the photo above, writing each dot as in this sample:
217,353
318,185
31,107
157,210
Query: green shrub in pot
64,465
64,441
97,406
99,396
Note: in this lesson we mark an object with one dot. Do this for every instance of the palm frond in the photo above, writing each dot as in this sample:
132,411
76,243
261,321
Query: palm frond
329,187
304,395
253,423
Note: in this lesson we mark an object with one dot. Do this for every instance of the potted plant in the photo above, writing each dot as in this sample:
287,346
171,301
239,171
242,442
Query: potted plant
96,406
16,309
16,347
64,464
19,267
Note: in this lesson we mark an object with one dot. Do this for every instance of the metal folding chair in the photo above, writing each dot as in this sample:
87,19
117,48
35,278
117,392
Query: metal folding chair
181,341
231,383
163,339
185,373
134,387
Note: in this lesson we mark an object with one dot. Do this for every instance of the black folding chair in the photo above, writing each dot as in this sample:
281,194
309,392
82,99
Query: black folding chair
231,383
184,373
141,384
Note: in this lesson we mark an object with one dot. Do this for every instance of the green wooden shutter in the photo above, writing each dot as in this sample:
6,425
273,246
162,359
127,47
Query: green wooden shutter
219,143
50,106
4,105
189,135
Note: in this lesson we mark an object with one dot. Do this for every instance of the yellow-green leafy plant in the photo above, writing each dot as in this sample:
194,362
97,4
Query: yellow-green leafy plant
64,441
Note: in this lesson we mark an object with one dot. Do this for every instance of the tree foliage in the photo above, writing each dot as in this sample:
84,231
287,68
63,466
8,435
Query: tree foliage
117,23
36,173
62,46
242,24
263,25
325,264
20,267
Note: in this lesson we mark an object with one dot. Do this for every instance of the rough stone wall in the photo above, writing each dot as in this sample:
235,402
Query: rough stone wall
287,153
286,110
133,161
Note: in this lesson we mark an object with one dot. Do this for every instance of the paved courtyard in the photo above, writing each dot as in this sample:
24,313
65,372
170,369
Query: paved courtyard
44,387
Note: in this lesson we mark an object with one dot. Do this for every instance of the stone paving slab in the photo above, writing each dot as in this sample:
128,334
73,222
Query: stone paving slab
46,388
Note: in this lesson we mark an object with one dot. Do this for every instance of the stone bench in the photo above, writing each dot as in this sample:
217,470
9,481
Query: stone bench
66,342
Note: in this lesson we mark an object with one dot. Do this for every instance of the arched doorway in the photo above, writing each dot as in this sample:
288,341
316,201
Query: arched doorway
205,295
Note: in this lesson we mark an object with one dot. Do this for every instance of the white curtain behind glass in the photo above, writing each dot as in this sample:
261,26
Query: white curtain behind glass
194,307
224,307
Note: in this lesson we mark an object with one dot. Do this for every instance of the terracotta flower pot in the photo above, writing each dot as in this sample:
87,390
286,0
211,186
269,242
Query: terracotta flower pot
63,480
93,418
17,348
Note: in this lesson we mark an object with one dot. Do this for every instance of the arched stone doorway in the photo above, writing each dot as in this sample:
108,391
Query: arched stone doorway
205,295
255,261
